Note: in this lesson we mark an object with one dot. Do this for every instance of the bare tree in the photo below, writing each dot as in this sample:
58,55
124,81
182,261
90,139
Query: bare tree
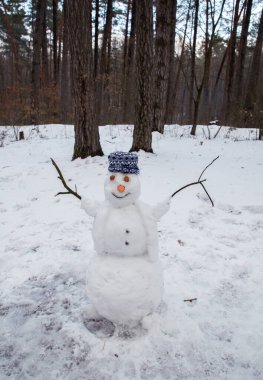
204,82
80,42
65,88
128,101
164,47
125,45
44,48
142,134
193,62
105,62
172,81
242,50
252,88
55,40
231,60
37,40
96,38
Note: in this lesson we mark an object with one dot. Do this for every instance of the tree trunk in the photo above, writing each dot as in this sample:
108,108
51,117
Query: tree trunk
230,70
204,81
174,77
208,55
252,88
60,38
125,45
165,10
128,107
65,96
35,74
104,70
242,51
96,38
45,70
142,134
104,64
80,42
172,82
192,75
55,38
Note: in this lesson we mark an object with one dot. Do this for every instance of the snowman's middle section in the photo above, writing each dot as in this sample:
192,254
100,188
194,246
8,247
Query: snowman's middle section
124,233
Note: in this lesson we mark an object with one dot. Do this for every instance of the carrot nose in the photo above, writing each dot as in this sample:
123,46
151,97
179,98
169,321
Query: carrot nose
121,188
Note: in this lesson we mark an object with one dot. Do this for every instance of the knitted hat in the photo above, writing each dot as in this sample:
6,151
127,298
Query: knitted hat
122,162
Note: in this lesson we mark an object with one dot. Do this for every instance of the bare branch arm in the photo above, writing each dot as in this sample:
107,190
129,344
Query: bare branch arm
189,184
199,182
60,176
207,167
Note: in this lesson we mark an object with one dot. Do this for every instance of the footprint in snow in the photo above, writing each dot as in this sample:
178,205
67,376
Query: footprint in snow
102,328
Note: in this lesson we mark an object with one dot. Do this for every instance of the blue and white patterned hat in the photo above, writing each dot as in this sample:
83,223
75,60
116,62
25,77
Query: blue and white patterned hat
121,162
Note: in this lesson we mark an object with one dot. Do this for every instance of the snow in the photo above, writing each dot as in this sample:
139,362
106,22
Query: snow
212,254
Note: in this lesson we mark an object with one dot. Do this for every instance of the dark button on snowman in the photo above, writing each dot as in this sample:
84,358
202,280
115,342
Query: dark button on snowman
124,279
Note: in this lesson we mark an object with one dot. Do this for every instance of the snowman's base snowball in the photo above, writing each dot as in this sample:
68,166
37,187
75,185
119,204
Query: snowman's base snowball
124,289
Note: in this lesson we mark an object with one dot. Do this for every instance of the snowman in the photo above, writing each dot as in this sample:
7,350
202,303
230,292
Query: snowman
124,278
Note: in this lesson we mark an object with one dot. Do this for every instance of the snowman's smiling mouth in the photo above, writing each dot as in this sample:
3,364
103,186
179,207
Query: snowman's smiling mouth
116,196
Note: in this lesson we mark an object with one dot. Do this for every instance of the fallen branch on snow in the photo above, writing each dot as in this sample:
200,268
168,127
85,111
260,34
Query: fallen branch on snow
191,300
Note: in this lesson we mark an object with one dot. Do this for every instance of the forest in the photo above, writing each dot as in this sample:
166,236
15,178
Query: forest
146,63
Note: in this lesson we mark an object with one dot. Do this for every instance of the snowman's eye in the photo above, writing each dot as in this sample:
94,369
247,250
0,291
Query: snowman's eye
126,178
112,177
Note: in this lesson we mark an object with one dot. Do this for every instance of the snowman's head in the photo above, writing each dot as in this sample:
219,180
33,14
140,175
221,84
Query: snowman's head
122,185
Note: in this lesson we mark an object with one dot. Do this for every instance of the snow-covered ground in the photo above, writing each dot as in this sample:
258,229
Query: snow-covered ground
212,254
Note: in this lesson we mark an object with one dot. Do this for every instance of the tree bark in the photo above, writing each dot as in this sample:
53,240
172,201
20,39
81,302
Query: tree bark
55,39
104,70
204,82
96,38
142,134
125,45
252,88
80,42
128,107
104,63
35,74
192,74
230,70
174,78
172,82
45,70
163,49
65,88
242,51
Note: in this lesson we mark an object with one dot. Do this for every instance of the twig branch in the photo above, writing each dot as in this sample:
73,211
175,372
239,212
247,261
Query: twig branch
207,167
60,176
207,194
191,300
189,184
199,182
